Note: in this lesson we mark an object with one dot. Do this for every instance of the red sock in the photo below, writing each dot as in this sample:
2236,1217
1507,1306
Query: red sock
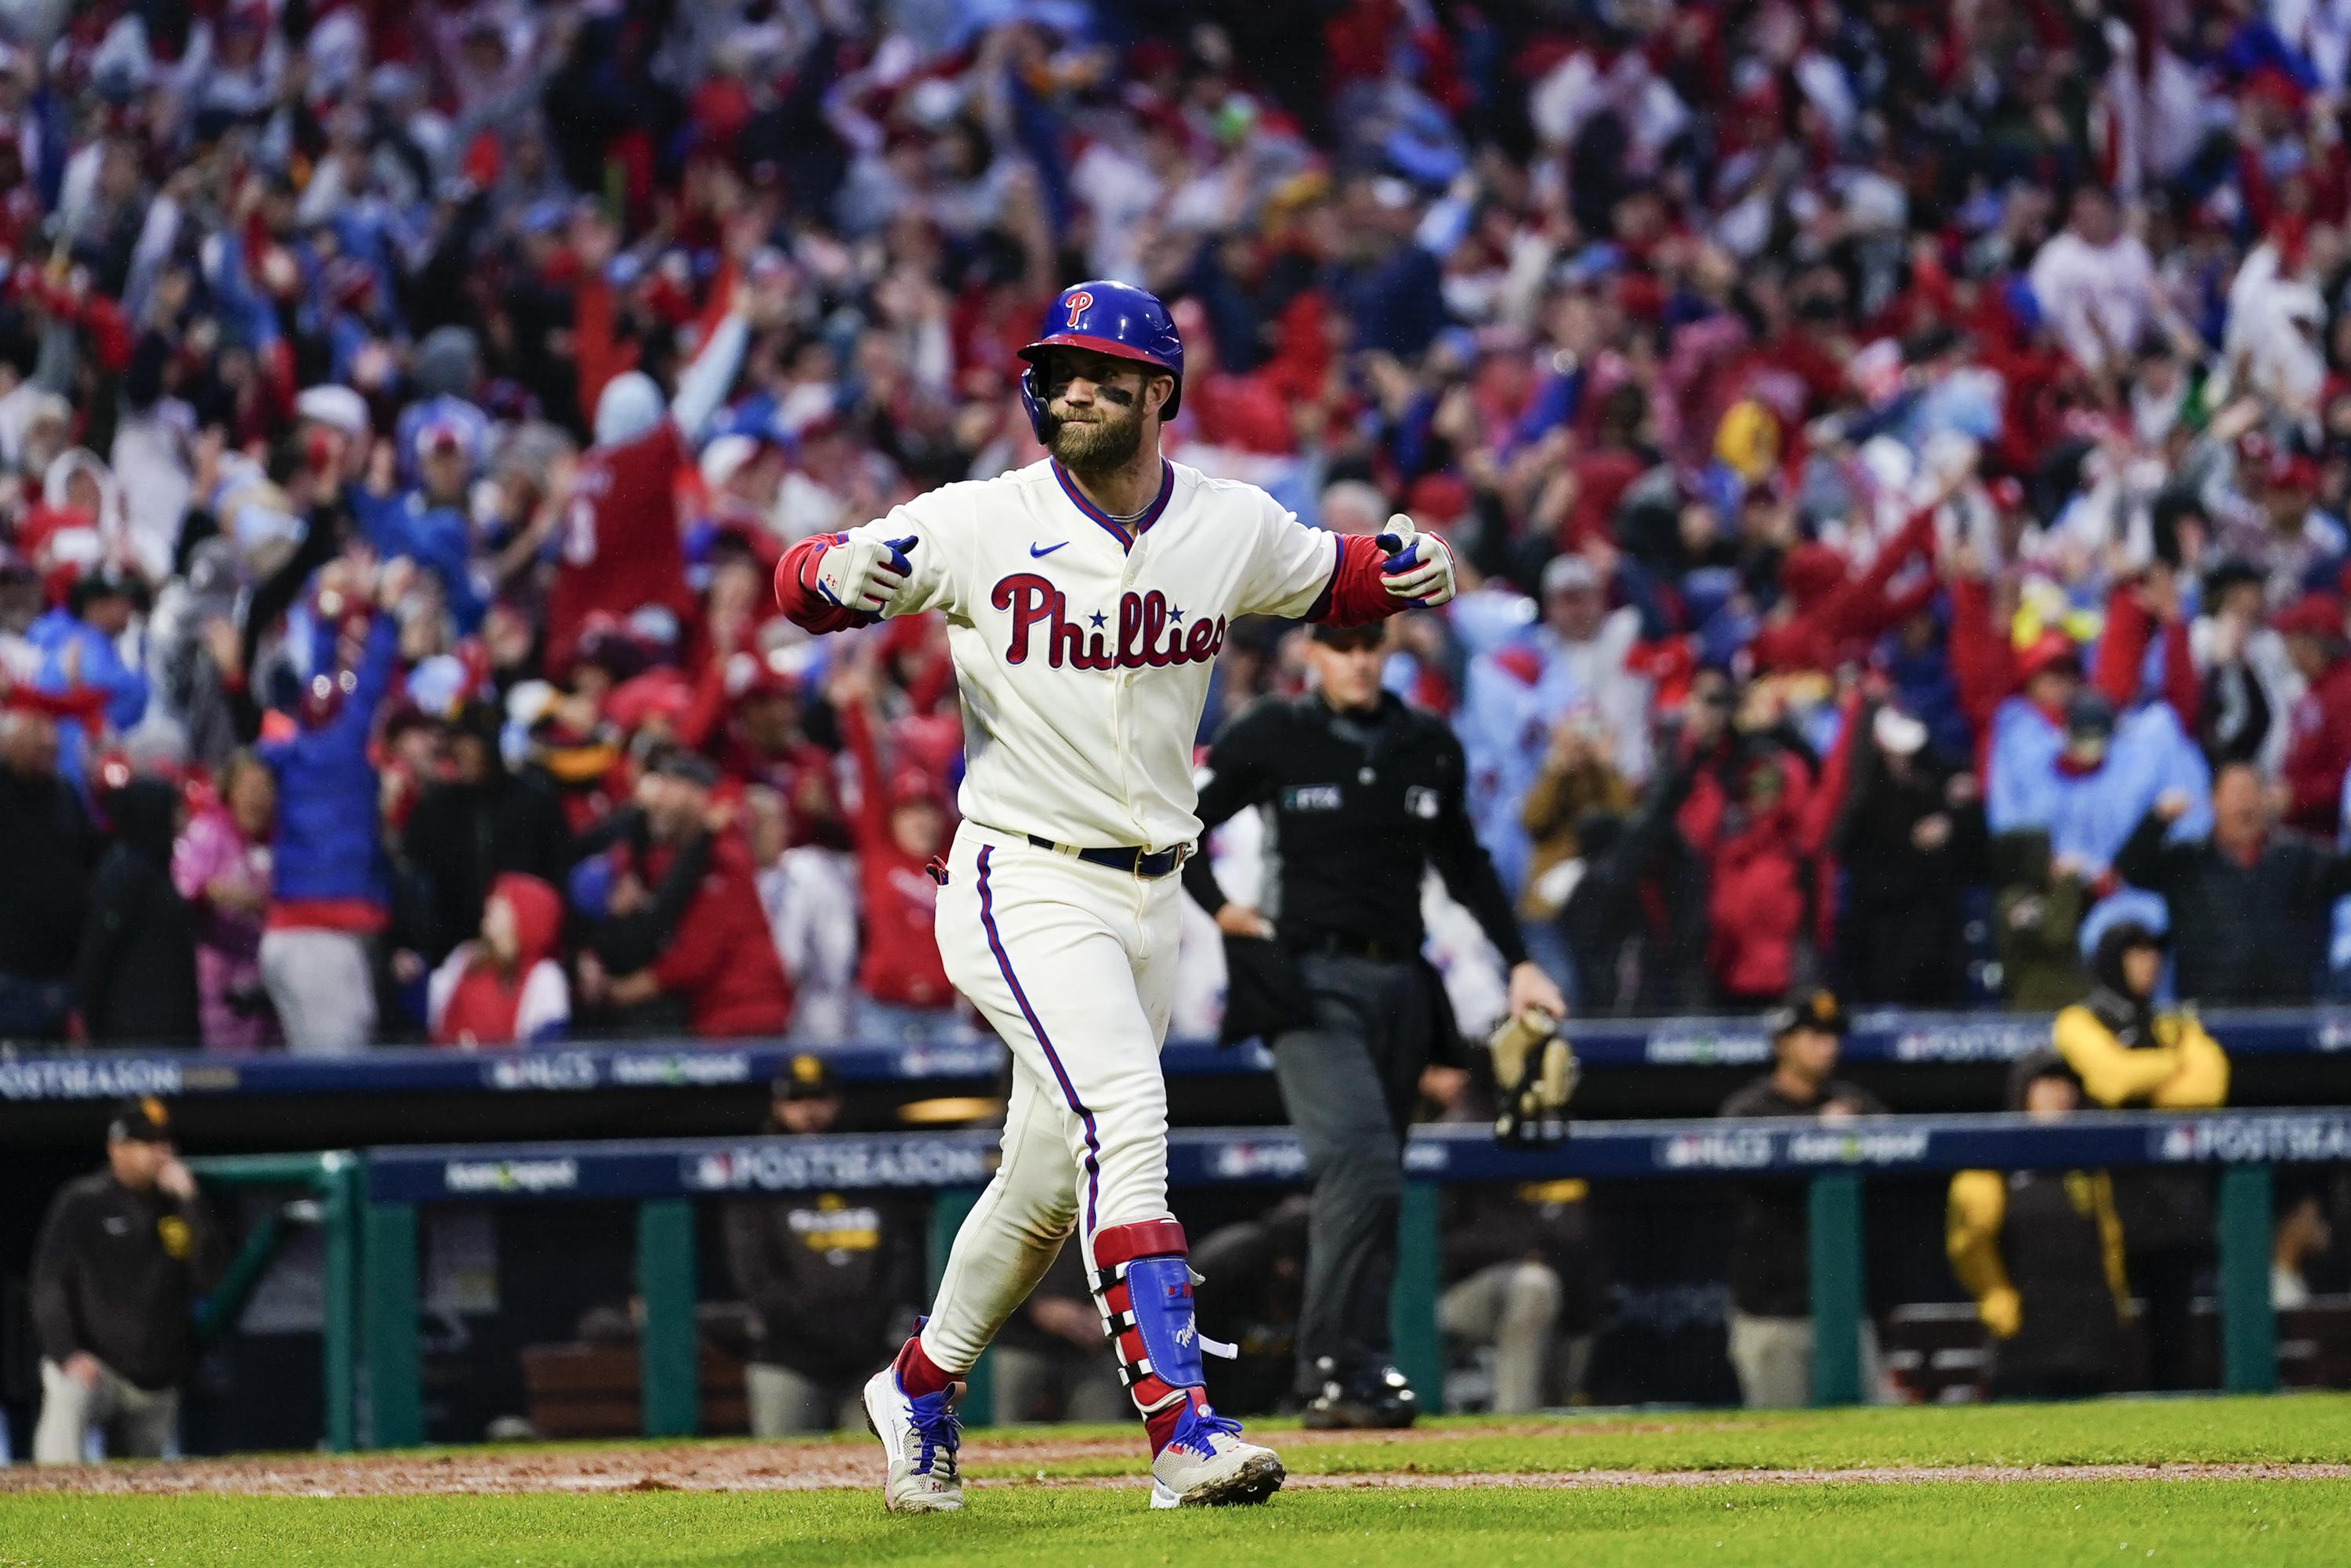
1161,1423
917,1373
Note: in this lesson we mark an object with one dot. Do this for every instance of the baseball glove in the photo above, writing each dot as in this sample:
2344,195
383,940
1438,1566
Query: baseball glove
1534,1074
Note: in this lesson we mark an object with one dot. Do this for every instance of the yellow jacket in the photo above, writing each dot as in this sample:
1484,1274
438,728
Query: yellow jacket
1978,1207
2184,1071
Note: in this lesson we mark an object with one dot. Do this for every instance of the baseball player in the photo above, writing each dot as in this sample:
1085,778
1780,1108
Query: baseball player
1086,597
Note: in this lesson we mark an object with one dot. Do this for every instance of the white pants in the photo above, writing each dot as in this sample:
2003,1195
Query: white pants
137,1424
323,987
784,1403
1074,965
1056,1385
1774,1358
1514,1307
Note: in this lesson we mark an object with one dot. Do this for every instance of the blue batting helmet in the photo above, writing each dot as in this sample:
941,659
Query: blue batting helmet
1114,318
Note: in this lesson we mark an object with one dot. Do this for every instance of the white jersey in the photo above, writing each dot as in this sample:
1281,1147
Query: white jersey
1084,659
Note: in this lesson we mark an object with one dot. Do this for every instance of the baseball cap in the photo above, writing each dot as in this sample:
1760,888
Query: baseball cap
2231,573
1569,574
729,456
1811,1008
913,786
805,1077
336,407
1897,733
143,1120
102,582
1355,637
2050,650
2089,717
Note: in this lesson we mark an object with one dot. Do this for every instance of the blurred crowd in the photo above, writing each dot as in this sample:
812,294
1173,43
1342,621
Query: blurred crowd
1899,453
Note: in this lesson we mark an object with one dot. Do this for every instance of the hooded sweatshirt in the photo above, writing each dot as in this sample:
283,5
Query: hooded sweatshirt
2128,1055
474,999
2042,1252
138,972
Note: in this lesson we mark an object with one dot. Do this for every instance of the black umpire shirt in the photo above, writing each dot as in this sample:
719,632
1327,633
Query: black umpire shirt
1363,803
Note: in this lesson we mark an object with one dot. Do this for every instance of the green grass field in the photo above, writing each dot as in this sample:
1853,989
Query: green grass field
2043,1519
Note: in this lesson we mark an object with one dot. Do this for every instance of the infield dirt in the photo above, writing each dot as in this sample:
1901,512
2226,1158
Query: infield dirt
1008,1460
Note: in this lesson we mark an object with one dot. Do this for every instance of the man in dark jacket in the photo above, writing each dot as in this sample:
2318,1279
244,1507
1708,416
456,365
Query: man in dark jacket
470,828
2041,1252
833,1279
45,859
1521,1276
1910,835
138,972
2128,1055
1770,1276
123,1257
2249,905
721,958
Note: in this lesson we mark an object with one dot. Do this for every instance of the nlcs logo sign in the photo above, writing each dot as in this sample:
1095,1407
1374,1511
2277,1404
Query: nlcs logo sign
1077,304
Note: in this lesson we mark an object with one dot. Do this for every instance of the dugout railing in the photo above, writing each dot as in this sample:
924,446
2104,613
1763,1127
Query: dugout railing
326,1189
1887,1036
373,1230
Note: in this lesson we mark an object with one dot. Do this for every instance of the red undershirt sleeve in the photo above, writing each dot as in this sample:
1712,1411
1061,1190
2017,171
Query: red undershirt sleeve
1356,596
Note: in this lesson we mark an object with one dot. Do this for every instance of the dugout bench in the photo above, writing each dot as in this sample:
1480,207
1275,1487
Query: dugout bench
370,1203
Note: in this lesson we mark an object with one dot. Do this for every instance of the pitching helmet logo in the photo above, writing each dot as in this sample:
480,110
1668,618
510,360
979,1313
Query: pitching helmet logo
1077,304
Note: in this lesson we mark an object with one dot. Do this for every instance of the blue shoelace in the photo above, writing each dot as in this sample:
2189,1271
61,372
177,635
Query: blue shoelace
1195,1433
938,1425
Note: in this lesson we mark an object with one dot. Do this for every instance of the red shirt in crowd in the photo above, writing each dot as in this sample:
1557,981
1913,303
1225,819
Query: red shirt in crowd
620,544
2319,752
901,963
723,958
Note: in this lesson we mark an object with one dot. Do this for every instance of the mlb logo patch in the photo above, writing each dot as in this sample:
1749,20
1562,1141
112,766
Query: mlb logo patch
1175,1291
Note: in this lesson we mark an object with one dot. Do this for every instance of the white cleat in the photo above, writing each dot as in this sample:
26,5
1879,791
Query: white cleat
1208,1464
920,1436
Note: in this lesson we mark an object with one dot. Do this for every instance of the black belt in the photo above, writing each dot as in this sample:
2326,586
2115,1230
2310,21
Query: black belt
1134,858
1347,944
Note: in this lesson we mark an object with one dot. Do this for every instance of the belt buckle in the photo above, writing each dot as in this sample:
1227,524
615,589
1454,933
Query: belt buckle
1143,852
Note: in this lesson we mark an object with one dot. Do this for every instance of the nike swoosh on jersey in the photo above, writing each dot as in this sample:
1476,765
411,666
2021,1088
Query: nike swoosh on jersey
1038,552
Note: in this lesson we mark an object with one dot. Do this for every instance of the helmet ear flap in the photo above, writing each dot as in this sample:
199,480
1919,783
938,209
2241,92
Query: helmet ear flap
1032,398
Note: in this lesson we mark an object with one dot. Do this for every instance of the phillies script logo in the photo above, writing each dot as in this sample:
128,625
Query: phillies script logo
1150,634
1076,305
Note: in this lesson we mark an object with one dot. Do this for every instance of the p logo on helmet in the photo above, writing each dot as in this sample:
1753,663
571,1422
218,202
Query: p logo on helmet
1075,302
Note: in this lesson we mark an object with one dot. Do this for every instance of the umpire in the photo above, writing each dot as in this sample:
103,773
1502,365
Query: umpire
1366,793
